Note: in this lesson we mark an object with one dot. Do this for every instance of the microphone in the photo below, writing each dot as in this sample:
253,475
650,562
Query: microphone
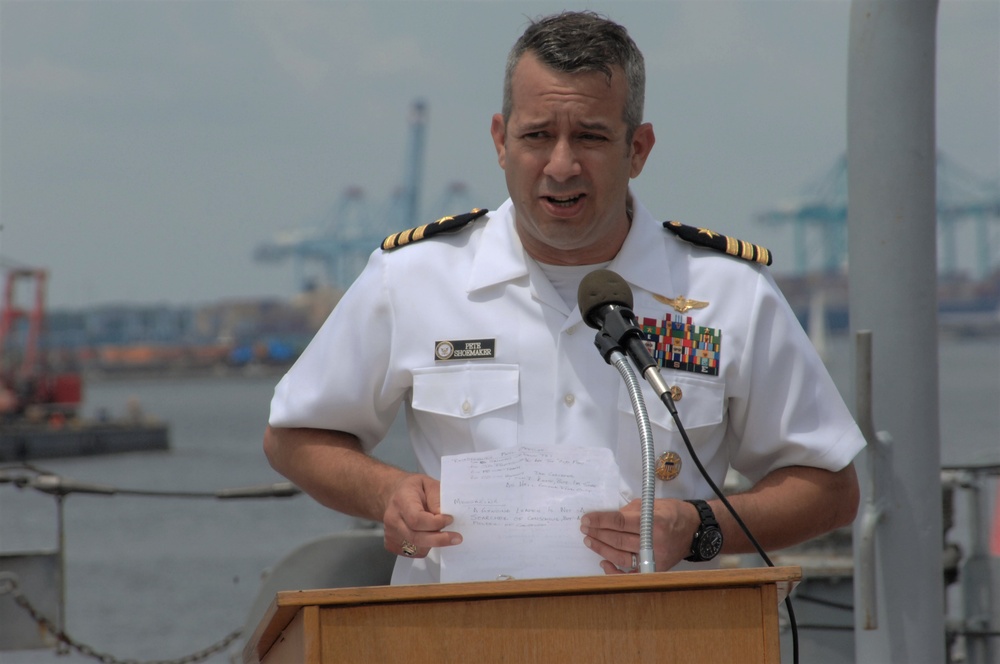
605,302
600,293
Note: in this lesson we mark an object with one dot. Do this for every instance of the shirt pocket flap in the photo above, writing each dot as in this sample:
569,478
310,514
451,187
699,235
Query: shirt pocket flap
701,402
465,391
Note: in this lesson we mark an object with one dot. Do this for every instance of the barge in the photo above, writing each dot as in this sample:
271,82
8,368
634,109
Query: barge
23,441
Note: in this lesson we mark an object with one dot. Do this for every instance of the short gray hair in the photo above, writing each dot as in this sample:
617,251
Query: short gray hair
573,42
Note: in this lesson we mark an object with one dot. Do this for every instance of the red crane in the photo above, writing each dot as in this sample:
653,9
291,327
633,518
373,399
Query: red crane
26,385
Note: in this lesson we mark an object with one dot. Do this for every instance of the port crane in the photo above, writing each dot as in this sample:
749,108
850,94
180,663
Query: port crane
819,219
354,228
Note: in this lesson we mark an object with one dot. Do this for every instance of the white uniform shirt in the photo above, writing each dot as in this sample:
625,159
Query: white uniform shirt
771,403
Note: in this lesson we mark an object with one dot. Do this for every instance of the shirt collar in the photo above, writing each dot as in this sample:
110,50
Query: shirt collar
499,254
647,254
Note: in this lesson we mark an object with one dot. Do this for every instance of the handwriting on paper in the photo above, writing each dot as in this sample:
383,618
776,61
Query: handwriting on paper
519,510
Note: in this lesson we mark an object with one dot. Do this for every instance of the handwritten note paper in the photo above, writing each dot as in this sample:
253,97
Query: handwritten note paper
519,510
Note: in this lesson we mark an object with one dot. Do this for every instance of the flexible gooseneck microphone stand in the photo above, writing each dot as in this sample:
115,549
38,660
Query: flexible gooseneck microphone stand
617,359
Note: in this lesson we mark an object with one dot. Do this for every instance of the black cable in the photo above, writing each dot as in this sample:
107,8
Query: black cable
669,403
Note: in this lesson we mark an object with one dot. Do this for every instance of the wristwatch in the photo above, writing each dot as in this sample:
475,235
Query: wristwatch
707,540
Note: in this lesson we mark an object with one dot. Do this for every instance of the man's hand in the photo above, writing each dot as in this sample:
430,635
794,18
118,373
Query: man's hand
332,467
615,535
413,516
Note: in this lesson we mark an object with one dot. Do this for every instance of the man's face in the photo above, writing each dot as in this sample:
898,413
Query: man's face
567,162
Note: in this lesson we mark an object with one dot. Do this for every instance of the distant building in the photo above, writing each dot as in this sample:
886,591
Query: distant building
154,337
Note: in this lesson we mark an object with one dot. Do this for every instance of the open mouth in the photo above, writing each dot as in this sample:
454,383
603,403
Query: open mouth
564,201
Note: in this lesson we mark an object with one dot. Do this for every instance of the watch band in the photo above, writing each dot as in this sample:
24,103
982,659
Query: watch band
704,511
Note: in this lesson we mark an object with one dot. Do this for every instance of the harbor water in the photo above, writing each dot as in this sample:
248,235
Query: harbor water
154,578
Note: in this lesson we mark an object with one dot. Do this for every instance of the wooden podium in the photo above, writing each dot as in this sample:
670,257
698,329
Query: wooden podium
691,616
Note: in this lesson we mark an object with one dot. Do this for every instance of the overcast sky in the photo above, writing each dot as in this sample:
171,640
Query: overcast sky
146,148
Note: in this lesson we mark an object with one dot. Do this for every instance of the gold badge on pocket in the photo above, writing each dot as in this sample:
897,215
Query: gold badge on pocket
668,466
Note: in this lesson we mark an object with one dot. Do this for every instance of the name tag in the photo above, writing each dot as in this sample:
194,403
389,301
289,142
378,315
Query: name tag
467,349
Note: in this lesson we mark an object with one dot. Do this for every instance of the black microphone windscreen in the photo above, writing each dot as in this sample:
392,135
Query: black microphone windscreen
599,288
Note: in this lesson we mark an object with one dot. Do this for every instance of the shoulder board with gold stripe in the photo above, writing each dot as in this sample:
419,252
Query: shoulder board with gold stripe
729,245
442,225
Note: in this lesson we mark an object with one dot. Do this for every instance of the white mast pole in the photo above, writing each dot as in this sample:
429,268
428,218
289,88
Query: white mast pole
893,293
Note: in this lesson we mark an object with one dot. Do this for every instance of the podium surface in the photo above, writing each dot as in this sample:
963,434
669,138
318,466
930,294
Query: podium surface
689,616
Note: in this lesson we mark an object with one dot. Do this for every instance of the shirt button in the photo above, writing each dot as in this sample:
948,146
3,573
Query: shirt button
466,407
569,399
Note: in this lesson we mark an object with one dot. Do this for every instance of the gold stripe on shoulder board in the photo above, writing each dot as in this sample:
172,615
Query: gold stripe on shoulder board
442,225
704,237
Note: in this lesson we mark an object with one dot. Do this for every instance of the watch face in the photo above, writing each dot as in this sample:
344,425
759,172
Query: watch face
710,543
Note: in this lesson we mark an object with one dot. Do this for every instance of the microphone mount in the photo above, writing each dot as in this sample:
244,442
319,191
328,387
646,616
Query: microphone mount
605,300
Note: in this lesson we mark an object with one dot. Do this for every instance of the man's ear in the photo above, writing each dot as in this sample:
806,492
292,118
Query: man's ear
499,132
642,144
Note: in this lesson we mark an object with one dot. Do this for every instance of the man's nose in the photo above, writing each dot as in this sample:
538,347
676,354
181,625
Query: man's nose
563,163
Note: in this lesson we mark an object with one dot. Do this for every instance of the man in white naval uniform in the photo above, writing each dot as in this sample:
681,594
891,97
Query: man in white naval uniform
476,333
